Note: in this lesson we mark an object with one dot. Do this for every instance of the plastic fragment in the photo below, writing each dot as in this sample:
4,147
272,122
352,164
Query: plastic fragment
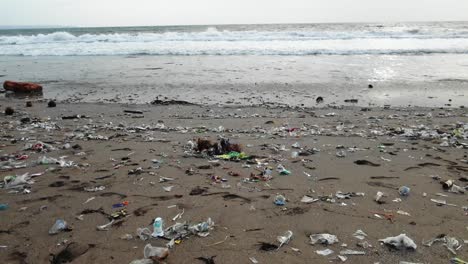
157,252
401,241
324,252
359,234
285,238
352,252
59,225
325,239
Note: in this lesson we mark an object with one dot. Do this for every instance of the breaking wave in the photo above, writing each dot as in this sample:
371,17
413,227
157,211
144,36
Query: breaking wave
224,42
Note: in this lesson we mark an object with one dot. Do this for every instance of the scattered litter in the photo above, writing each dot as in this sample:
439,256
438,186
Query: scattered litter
126,237
280,200
325,239
89,200
378,197
253,260
401,241
342,258
283,171
142,261
324,252
120,205
144,233
351,252
341,154
105,227
450,243
179,215
157,252
442,202
59,225
165,179
403,213
219,242
158,230
168,188
457,261
171,243
285,238
308,199
359,234
95,189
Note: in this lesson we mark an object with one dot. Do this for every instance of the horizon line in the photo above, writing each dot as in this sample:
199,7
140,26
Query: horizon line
221,24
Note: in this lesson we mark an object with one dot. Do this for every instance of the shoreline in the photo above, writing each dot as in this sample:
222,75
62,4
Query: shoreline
246,80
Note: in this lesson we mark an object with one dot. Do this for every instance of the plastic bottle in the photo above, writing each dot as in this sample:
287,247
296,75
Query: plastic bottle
3,207
158,227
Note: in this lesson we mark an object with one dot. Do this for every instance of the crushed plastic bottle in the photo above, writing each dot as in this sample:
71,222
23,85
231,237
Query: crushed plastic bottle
60,225
159,252
280,200
285,238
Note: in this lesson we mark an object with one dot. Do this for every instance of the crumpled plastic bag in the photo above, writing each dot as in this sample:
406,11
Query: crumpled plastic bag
202,229
53,161
16,181
285,238
450,243
325,239
401,241
39,147
144,233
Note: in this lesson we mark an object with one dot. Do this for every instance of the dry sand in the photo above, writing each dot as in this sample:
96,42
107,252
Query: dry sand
404,160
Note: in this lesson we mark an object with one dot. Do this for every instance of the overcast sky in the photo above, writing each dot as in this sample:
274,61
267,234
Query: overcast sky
176,12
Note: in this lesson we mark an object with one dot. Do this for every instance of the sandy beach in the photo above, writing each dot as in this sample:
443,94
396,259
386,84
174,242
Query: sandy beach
339,157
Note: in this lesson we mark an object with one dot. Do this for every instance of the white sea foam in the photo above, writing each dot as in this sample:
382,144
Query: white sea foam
224,42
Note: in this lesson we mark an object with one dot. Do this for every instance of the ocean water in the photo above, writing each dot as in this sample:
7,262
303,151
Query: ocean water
418,64
295,39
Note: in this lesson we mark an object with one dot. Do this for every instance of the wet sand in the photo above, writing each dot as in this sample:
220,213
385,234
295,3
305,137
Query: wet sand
244,214
437,80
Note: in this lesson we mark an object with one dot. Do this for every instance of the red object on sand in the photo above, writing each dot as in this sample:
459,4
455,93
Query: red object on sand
22,87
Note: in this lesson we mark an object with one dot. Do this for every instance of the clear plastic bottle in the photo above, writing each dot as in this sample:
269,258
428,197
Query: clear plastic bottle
158,227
